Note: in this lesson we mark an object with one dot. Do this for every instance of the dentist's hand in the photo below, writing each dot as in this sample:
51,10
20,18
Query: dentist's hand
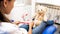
16,22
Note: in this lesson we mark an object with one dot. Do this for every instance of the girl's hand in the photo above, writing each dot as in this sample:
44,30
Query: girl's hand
31,24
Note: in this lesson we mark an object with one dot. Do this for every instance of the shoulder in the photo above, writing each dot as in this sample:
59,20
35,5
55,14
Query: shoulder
5,26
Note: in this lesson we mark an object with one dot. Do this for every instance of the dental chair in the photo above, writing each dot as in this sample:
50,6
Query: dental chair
50,29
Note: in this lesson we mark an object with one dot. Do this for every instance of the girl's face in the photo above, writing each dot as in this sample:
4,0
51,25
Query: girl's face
8,5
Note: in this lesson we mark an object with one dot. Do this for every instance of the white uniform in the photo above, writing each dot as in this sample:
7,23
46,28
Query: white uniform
11,29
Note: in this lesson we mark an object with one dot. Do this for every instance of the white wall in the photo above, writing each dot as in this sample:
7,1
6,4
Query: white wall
20,7
53,2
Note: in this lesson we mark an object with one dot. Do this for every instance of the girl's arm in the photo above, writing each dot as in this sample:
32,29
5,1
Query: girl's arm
30,28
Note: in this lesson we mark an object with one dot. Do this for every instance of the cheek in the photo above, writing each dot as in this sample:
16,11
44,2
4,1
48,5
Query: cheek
9,8
11,5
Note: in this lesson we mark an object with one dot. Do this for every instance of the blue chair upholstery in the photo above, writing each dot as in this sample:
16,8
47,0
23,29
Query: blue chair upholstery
50,30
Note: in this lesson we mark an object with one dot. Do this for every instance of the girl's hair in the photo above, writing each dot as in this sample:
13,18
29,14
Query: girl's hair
2,16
